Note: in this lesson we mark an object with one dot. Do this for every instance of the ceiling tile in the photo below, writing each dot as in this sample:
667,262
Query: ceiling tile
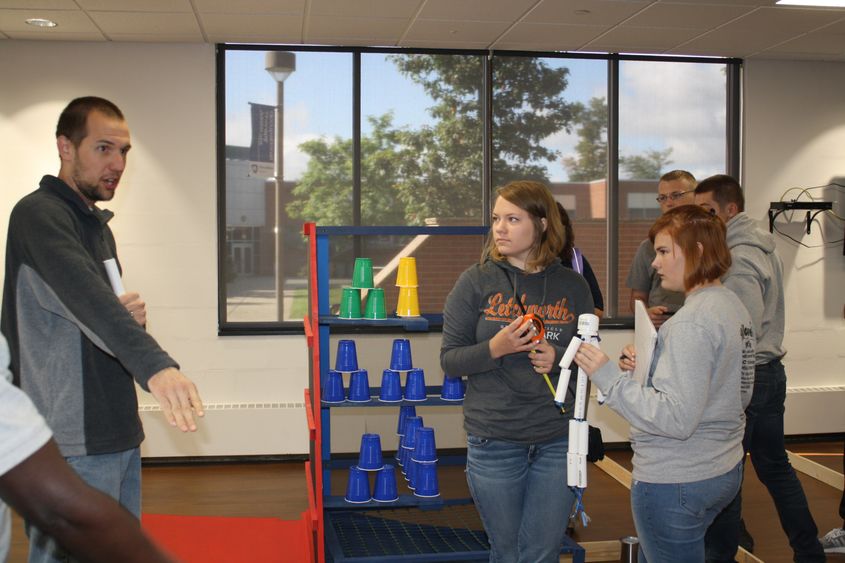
60,36
257,38
338,40
156,38
600,12
365,8
147,23
248,7
379,29
798,20
566,37
69,22
696,16
476,10
642,38
444,44
626,48
818,42
461,31
39,4
245,25
136,5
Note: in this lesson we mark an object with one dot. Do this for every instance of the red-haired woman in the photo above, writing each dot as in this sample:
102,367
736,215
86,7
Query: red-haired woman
687,419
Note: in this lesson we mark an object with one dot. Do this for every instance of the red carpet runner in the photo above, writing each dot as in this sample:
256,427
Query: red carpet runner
217,539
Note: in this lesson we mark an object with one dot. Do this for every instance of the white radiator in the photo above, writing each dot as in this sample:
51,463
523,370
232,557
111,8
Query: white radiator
815,409
229,429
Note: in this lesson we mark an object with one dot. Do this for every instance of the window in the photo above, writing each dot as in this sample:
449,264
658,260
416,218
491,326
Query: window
382,137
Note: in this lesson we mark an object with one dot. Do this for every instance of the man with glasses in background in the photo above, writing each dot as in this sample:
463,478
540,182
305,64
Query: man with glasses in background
674,189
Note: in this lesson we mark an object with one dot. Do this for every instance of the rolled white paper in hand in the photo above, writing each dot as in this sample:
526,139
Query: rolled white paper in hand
114,276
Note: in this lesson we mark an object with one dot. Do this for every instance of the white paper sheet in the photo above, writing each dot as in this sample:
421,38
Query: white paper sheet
645,338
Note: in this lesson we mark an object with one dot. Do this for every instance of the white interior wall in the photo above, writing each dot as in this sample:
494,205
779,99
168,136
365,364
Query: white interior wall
794,135
166,231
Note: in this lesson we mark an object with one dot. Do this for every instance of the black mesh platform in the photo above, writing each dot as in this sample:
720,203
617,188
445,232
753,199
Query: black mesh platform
451,533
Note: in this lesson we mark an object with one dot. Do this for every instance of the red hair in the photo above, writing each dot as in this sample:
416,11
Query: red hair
689,226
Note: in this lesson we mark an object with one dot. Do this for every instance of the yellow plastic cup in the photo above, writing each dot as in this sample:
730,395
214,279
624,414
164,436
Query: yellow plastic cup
409,302
406,276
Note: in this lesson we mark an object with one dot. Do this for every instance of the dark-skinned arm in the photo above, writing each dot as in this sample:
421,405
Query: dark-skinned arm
87,523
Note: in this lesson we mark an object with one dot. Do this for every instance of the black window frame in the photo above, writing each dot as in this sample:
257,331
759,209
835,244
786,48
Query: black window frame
611,321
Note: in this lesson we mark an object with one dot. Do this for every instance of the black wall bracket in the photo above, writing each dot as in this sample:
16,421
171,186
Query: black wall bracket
778,207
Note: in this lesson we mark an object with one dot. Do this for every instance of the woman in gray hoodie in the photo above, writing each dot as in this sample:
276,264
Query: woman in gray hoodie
687,420
516,438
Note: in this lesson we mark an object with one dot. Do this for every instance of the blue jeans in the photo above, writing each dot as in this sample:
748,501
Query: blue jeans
764,441
521,494
117,475
672,518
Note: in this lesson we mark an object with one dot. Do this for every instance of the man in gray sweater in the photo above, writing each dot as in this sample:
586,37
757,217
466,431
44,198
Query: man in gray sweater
756,276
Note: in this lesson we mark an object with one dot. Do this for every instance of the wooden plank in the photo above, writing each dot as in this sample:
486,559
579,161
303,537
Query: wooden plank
743,556
815,470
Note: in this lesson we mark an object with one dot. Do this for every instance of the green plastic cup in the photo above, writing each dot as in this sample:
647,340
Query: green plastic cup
350,303
375,308
362,274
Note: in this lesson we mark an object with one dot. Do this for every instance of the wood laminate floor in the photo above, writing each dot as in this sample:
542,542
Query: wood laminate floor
278,490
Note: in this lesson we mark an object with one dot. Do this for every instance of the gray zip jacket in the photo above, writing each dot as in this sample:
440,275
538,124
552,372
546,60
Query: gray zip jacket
688,420
756,276
75,349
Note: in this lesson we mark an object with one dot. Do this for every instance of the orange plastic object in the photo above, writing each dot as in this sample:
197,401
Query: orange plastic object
537,323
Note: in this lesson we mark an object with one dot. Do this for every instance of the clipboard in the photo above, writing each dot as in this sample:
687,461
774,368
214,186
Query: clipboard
645,339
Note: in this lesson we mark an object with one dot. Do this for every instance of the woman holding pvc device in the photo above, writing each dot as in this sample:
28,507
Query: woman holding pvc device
516,436
687,420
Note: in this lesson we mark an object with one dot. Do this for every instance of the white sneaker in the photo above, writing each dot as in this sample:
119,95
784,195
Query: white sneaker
834,541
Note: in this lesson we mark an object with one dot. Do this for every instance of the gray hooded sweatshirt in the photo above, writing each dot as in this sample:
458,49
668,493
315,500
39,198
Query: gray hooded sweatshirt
756,276
506,399
688,420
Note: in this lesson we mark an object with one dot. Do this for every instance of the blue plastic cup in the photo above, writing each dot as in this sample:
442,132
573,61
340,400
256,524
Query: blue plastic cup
406,461
369,458
391,387
413,466
453,389
400,356
412,424
424,449
358,486
385,488
399,451
347,358
359,387
415,385
332,387
404,412
425,478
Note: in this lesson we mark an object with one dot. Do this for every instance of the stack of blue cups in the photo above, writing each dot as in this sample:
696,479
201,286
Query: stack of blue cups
404,413
412,424
401,363
346,362
424,464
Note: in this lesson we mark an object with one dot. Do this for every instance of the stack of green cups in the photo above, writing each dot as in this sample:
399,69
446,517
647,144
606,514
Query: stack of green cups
362,279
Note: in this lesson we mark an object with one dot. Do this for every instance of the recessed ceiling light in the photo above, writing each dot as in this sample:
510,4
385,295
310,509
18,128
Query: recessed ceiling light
814,3
41,22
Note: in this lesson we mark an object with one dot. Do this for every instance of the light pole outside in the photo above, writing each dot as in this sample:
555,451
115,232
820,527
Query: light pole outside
280,65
